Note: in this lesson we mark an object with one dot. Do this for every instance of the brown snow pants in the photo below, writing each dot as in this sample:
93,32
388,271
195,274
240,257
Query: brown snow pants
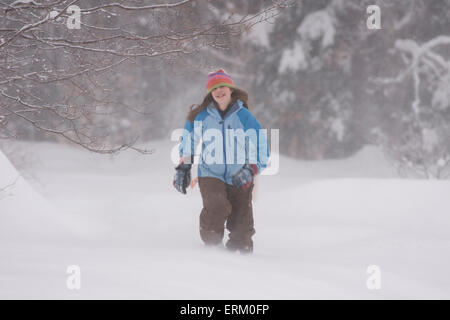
226,204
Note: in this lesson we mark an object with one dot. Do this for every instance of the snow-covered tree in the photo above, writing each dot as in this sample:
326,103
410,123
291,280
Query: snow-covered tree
64,82
422,147
304,84
322,76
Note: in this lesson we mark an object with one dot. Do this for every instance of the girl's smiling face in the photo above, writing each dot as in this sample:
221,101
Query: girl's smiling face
222,95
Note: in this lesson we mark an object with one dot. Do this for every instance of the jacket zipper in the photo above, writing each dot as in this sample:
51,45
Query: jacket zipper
224,152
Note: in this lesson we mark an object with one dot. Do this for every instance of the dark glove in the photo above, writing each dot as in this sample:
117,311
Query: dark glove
182,178
244,177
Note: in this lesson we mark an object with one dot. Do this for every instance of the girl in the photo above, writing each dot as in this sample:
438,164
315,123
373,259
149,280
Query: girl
225,182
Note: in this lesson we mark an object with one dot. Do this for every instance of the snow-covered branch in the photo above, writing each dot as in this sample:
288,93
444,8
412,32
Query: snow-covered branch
62,81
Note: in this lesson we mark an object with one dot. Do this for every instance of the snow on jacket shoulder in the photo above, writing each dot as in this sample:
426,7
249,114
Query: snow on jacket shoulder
226,143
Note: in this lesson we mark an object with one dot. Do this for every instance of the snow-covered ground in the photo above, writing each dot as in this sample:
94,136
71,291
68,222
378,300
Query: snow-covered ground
319,226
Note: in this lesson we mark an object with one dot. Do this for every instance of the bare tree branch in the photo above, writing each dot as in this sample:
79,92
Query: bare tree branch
61,81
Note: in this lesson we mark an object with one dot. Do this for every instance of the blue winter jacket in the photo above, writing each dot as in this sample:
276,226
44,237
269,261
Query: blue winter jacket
227,144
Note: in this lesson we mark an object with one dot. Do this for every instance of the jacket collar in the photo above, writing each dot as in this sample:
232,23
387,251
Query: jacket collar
214,112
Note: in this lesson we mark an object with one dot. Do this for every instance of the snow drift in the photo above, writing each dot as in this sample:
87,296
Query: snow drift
319,226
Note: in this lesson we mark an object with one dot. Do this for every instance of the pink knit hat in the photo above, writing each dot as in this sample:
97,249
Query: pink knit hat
217,79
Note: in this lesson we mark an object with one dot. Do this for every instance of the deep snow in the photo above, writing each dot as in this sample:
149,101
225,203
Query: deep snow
319,225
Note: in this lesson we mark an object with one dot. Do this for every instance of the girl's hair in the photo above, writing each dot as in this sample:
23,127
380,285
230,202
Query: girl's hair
235,95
